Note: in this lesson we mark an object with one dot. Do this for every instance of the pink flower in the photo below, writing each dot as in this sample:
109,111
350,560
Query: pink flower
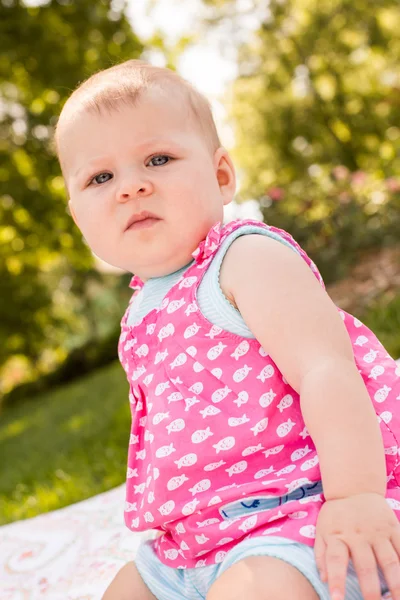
393,184
358,177
340,172
276,193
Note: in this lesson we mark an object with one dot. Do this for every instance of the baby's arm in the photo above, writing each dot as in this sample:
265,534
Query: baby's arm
297,323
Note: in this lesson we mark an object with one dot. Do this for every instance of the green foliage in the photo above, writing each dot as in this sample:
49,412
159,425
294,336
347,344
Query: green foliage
45,266
316,97
68,445
383,317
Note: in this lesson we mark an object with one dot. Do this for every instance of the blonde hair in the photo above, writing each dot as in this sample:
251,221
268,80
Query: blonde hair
126,82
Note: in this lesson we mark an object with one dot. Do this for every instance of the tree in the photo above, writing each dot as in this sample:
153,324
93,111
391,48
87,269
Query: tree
316,113
45,267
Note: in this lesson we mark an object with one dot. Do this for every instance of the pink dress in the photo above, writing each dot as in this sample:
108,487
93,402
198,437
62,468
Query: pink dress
218,449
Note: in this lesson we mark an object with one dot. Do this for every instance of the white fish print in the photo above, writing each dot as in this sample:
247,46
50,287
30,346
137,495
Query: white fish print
143,350
386,416
308,531
300,514
224,444
263,473
220,394
187,282
266,373
191,331
310,463
176,425
139,406
201,563
260,426
175,305
198,367
304,433
370,356
376,371
176,482
242,373
164,303
160,357
141,455
200,435
192,308
216,351
148,379
201,539
149,437
252,450
150,497
224,541
135,523
184,546
296,483
160,417
248,523
238,467
209,411
134,439
274,450
201,486
186,461
167,507
300,453
381,394
214,500
150,329
266,399
190,402
156,473
215,465
148,517
242,398
175,397
136,374
165,451
285,402
180,528
179,361
361,340
217,373
391,451
207,522
161,387
190,507
225,524
395,504
143,421
241,350
130,344
235,421
307,499
166,332
130,506
272,530
139,489
215,330
285,428
131,473
196,388
192,351
171,553
285,470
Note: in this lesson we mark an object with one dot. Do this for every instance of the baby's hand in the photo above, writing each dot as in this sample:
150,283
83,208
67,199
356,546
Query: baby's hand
365,529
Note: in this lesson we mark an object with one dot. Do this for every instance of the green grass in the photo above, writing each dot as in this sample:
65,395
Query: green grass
65,445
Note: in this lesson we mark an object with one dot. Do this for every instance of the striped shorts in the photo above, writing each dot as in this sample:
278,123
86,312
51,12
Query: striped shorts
167,583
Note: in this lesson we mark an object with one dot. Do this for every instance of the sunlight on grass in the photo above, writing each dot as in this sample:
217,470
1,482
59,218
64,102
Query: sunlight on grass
74,445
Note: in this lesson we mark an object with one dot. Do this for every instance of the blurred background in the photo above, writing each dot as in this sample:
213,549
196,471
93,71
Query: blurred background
306,94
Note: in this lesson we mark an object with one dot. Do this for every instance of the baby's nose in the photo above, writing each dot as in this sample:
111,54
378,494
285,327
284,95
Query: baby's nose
132,188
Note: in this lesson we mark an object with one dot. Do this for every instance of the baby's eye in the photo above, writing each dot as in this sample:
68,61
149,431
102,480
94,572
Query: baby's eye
159,160
101,178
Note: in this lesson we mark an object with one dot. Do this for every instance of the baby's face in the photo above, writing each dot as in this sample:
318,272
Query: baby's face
144,186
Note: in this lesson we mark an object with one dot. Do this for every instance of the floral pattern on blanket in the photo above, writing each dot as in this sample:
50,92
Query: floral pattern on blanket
69,554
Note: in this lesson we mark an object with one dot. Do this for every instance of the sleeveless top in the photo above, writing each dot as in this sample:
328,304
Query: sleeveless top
218,449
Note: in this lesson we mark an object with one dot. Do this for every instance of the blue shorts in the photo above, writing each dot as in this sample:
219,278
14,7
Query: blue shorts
167,583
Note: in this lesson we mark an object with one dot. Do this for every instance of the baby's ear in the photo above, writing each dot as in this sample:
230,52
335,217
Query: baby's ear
72,213
226,175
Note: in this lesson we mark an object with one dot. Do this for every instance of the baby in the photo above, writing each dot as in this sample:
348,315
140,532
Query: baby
264,438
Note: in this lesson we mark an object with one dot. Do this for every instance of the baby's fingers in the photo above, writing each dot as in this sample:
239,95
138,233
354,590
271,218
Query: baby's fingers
388,560
337,559
365,566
